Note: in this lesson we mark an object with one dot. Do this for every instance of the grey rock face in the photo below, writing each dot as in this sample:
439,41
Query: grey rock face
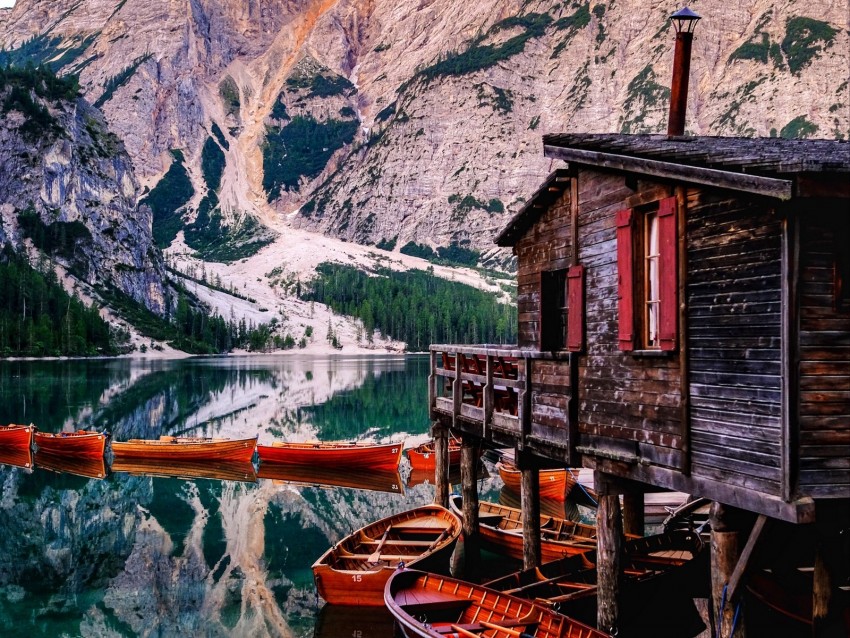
462,147
74,184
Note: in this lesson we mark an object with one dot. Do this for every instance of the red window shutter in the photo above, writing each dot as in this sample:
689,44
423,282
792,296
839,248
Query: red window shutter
668,266
575,309
625,283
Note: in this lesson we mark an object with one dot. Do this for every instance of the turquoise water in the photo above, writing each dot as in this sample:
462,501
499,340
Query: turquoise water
131,555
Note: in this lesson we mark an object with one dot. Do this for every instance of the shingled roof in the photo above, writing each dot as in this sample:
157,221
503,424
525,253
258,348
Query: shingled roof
769,156
761,166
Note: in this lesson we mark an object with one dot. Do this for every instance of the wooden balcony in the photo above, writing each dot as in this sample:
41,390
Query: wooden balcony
504,394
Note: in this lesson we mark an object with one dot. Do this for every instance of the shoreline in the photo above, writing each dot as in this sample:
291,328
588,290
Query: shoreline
179,355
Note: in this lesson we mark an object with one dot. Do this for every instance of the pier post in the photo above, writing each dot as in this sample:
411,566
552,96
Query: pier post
609,532
633,513
827,617
725,552
530,503
441,463
469,493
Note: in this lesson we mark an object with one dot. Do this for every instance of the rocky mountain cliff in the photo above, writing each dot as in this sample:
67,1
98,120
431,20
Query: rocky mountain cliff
68,189
387,122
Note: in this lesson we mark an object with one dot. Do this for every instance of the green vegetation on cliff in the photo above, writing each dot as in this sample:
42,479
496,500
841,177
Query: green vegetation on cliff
170,195
24,89
302,148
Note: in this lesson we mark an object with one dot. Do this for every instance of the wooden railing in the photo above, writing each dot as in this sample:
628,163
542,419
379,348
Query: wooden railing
480,384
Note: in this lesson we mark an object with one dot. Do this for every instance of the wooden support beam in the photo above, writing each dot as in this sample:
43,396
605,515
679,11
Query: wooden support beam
746,560
633,513
827,611
530,503
433,379
441,463
725,553
778,188
489,397
609,531
469,492
457,390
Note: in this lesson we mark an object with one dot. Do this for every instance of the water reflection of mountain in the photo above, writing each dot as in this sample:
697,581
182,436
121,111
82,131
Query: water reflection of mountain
279,397
166,556
170,557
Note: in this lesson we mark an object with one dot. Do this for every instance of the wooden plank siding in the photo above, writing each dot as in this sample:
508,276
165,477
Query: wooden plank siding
544,247
734,313
628,403
824,364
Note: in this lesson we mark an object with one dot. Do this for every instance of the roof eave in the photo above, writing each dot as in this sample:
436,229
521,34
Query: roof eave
781,189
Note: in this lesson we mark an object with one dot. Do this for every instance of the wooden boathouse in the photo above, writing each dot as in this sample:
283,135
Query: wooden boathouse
684,324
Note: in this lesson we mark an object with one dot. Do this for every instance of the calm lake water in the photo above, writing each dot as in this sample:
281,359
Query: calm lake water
130,555
85,551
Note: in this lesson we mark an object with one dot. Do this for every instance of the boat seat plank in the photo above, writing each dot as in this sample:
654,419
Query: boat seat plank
384,557
418,527
411,543
437,604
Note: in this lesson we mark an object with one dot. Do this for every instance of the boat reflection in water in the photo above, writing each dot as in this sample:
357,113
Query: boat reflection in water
88,467
567,509
242,472
16,457
419,476
358,479
344,620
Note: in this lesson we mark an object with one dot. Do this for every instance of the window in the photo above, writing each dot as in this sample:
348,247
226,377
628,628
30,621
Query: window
647,270
651,285
553,310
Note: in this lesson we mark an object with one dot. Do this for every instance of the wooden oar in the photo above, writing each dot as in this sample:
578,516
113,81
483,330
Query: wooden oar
464,632
375,556
437,542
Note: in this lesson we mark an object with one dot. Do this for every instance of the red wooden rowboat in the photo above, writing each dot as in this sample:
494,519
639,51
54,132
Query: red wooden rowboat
355,570
431,606
187,449
554,484
385,456
16,436
501,531
421,457
79,443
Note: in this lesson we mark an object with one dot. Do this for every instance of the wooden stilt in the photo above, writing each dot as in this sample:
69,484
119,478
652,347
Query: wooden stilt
441,463
609,530
530,503
725,551
827,614
633,513
469,493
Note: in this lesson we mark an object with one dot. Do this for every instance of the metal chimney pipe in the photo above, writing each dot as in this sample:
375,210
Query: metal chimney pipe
685,21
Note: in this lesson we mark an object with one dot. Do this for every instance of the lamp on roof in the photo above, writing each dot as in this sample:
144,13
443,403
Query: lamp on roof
684,21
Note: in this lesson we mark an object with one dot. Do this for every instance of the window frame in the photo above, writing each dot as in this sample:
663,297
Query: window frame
554,301
634,260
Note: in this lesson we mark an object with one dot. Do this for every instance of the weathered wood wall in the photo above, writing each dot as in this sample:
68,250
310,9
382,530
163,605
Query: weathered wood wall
628,403
545,247
734,304
824,371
